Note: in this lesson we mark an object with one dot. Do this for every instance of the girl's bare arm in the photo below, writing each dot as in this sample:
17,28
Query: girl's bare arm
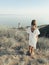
37,37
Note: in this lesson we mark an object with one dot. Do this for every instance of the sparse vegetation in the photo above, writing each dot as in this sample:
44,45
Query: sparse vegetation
14,46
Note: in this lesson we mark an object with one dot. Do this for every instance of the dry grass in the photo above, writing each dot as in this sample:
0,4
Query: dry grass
14,46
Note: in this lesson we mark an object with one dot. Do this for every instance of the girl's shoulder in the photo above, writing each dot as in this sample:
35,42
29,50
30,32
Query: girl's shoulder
37,31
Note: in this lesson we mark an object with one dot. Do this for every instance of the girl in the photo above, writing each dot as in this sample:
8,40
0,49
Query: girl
33,37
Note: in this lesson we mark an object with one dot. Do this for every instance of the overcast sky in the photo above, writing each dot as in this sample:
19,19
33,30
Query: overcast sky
35,9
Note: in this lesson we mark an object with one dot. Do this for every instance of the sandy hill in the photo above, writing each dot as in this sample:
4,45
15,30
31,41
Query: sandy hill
14,47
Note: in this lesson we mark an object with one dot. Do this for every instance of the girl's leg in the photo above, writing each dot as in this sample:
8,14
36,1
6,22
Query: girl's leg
32,52
29,49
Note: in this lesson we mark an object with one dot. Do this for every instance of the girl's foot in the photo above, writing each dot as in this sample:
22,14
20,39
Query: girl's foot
32,56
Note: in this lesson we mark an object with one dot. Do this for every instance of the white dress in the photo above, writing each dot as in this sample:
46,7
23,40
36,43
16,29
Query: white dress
33,37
